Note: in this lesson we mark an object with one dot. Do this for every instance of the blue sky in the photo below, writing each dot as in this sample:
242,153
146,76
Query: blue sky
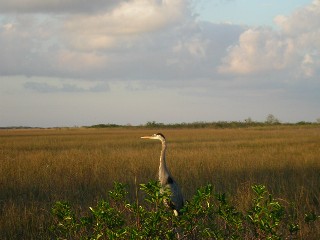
67,63
249,12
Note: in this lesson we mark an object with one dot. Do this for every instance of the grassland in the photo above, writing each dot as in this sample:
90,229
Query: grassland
39,167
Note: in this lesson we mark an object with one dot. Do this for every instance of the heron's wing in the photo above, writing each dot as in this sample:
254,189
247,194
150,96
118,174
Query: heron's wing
176,196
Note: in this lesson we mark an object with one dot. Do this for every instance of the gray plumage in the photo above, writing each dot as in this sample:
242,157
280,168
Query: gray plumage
165,178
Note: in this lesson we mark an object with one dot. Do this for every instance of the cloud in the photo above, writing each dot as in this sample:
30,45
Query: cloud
54,6
122,25
153,40
98,45
26,42
73,63
44,87
168,49
258,51
293,49
303,20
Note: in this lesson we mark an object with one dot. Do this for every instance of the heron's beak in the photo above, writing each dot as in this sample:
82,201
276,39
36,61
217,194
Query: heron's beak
148,137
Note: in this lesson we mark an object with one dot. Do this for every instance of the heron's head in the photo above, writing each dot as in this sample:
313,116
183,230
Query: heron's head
157,136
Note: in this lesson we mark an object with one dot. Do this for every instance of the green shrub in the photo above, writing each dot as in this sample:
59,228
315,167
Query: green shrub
207,215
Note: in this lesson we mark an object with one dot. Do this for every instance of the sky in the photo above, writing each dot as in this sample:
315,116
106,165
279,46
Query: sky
80,63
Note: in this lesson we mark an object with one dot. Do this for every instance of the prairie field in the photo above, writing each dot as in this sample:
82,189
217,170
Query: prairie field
41,166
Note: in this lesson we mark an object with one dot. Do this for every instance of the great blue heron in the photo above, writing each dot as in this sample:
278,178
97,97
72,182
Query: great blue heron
165,178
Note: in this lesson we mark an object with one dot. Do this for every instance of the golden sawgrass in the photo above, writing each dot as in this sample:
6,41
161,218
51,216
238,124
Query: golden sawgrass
39,167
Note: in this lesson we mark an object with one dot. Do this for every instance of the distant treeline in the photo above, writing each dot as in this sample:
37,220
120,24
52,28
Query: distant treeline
20,127
218,124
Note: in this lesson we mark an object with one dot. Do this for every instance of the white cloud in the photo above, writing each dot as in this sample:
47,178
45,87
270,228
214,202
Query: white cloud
196,47
123,23
308,65
258,51
303,20
294,49
109,43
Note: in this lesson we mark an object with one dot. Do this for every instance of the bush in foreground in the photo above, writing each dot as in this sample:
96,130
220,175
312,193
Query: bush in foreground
208,215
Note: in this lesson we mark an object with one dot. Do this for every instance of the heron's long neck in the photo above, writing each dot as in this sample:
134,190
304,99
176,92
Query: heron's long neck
163,170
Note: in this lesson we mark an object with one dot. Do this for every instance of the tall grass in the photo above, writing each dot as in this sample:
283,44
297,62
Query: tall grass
39,167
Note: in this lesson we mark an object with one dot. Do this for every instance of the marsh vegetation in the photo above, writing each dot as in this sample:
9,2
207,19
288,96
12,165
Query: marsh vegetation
39,167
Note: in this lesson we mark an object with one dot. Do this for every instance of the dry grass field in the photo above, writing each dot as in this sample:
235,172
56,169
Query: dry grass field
39,167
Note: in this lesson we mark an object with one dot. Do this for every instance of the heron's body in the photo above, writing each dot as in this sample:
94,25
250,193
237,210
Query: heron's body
165,178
